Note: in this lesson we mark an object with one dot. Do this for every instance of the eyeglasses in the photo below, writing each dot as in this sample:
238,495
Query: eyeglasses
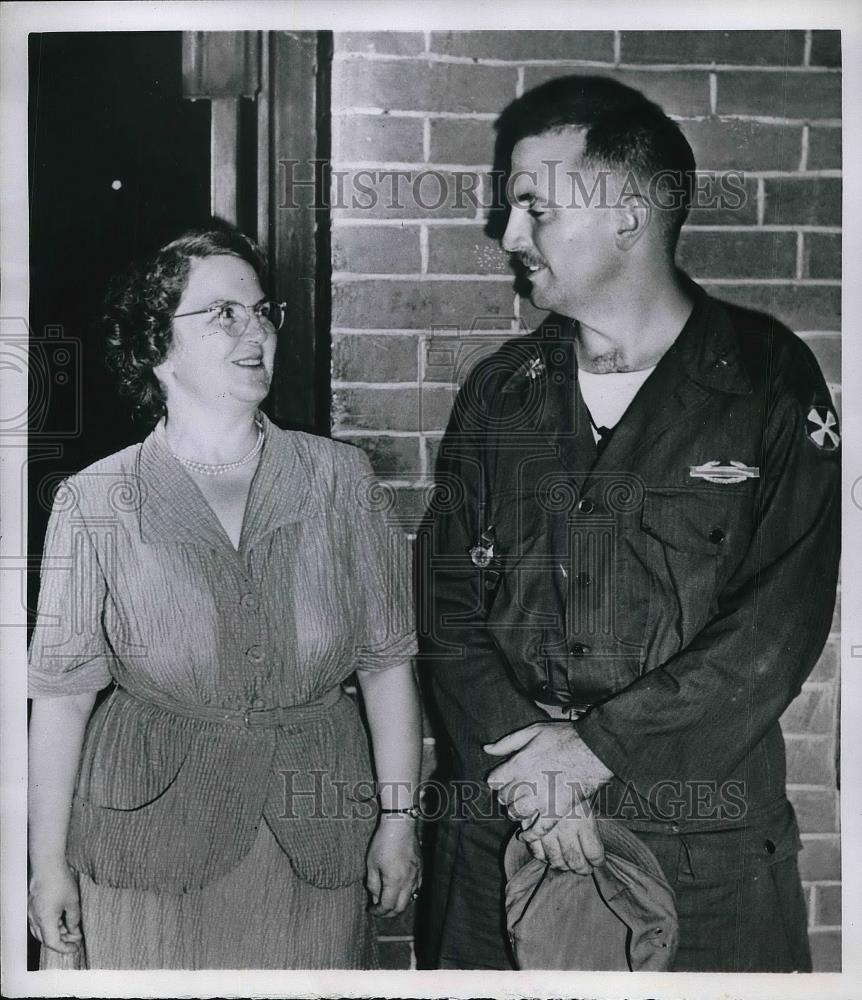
234,317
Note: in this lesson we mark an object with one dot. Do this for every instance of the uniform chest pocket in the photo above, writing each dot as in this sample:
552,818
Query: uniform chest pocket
522,516
707,522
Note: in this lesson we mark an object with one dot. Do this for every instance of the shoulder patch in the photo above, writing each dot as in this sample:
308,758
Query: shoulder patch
821,427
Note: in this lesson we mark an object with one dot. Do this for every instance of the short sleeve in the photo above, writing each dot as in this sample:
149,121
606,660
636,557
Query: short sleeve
381,567
69,653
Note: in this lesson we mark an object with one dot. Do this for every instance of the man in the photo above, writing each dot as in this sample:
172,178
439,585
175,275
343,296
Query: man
634,568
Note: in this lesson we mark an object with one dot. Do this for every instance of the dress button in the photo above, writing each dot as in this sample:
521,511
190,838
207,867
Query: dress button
769,846
254,653
579,649
716,536
489,583
584,579
586,506
258,703
249,601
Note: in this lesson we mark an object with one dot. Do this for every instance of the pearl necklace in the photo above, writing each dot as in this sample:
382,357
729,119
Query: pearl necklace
206,469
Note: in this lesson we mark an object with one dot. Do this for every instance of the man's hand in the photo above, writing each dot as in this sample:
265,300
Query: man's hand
550,771
574,844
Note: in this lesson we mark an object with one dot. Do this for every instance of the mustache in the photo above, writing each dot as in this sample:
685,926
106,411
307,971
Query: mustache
524,262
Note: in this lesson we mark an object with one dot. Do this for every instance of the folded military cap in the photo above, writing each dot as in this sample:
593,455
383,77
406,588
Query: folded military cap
623,916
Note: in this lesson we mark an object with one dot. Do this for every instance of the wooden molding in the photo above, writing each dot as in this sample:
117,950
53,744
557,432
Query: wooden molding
221,64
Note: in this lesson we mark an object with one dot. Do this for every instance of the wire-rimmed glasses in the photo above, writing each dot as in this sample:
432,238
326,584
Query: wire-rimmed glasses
234,317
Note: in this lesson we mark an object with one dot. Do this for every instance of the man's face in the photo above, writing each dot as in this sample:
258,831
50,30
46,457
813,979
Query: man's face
560,227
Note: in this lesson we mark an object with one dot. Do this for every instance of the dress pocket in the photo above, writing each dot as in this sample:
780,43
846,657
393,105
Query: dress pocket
322,807
132,756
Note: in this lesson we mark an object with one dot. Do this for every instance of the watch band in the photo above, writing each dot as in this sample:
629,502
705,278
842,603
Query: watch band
413,812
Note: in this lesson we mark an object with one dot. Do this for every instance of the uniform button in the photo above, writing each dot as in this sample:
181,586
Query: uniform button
586,506
489,583
584,579
542,689
716,536
254,653
769,846
579,649
675,827
249,601
258,703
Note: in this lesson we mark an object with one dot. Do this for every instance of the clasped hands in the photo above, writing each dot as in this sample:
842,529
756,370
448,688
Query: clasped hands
546,785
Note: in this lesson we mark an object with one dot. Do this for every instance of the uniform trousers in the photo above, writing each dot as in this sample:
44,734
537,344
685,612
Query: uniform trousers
751,921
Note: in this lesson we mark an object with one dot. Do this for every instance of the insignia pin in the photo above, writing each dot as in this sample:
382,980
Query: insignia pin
535,369
482,554
822,428
730,472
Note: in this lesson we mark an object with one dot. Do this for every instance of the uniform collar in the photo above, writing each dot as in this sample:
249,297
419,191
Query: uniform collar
707,346
174,509
704,359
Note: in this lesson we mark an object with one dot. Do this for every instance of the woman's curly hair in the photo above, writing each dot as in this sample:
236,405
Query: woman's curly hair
141,303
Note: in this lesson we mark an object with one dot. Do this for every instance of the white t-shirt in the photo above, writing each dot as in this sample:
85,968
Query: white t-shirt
608,396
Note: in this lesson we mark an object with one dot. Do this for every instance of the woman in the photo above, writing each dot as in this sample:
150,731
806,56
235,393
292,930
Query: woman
225,576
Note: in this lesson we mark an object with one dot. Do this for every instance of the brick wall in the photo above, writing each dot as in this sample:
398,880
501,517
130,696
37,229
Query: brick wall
419,292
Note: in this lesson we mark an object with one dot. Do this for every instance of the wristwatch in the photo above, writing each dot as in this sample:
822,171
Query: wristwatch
414,812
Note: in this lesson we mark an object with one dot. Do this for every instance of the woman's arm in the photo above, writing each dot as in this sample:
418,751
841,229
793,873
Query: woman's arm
394,718
57,727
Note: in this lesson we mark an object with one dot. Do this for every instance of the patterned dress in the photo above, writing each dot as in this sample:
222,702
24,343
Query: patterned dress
224,799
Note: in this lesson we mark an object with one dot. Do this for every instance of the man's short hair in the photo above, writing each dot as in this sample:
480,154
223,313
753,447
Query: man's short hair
623,131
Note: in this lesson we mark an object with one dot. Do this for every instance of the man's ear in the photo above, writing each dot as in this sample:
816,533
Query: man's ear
633,215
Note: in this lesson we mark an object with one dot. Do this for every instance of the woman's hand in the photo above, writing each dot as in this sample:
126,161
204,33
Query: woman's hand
54,909
394,865
394,860
57,728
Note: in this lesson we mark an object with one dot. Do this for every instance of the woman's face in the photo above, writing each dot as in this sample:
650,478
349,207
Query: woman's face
205,365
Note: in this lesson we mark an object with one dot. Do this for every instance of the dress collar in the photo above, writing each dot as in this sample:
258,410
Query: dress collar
174,509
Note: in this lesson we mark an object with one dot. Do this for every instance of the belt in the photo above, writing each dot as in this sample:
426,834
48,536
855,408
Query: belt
571,712
250,718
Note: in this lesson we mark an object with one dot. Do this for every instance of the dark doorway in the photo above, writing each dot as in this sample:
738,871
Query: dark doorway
119,163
